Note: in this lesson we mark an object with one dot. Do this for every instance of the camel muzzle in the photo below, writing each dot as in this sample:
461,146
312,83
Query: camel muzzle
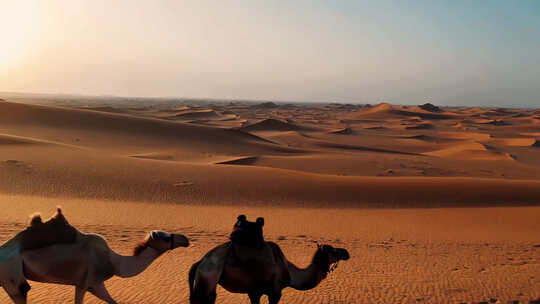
178,240
342,254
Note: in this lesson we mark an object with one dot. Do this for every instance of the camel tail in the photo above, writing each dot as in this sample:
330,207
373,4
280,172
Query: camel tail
191,278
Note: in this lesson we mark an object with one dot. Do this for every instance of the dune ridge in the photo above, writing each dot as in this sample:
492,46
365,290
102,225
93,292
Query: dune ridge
274,125
386,111
430,215
121,156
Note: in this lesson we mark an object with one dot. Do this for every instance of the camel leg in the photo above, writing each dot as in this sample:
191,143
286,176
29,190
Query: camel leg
101,292
204,285
274,298
254,297
212,297
17,299
17,292
79,294
15,284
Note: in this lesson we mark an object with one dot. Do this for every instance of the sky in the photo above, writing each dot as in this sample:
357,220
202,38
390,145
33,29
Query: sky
455,52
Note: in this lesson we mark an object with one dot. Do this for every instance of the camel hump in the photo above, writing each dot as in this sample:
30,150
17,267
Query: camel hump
248,233
35,220
59,218
41,234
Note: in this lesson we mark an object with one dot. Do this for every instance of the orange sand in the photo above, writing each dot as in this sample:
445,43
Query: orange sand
314,172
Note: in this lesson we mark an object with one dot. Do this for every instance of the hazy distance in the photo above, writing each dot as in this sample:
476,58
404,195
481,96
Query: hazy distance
482,53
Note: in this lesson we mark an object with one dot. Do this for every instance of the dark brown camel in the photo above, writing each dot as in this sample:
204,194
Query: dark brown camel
248,264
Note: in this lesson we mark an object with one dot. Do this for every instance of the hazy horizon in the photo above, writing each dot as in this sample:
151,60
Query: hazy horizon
482,53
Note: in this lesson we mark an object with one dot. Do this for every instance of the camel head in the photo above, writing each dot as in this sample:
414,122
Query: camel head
248,233
162,241
329,256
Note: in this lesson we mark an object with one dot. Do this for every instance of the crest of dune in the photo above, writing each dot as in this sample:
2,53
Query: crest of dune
274,125
470,150
385,111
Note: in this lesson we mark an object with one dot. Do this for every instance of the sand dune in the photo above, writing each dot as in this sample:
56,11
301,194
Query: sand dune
497,122
266,105
479,121
473,110
274,125
139,158
471,150
466,135
514,142
534,134
105,109
428,138
423,126
386,111
199,114
17,140
448,255
430,108
293,139
359,148
344,131
458,125
248,160
111,131
375,128
375,180
119,178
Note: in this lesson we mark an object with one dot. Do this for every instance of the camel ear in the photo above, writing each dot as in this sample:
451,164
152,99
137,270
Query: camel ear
260,221
327,247
242,218
154,235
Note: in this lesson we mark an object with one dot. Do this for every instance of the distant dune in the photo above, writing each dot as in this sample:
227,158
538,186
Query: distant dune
200,114
423,126
471,151
386,111
274,125
266,105
416,194
430,108
273,161
344,131
105,109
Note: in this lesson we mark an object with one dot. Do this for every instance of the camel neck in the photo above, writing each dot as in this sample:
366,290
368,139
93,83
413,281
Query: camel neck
129,266
306,278
10,249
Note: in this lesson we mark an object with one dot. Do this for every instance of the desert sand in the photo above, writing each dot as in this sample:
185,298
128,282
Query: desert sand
435,205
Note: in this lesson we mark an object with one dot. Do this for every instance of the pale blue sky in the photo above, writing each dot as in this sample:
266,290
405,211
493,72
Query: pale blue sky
458,52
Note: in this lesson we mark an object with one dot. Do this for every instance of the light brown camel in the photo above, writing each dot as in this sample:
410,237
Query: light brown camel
86,263
260,269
